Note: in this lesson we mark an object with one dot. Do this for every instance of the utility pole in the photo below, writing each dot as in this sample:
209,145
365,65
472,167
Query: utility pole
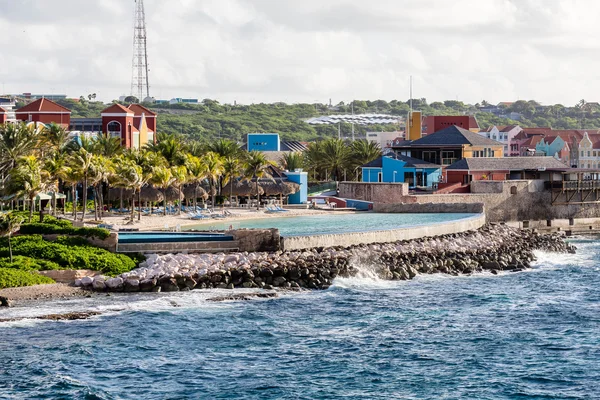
139,78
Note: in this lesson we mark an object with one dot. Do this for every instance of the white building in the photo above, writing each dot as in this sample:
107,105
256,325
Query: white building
383,139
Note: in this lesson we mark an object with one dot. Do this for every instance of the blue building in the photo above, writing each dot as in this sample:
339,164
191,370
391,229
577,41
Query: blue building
300,178
399,168
262,142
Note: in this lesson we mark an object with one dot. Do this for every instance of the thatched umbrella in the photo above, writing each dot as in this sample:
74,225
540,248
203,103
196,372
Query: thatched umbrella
172,193
194,192
242,188
151,194
117,193
280,188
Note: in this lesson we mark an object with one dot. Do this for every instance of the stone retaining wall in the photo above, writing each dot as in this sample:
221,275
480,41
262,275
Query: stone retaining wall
357,238
110,243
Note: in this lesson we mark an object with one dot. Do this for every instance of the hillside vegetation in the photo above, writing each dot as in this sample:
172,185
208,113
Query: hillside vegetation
209,119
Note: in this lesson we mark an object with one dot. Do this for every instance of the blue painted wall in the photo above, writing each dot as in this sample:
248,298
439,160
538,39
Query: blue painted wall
300,178
393,171
550,149
262,142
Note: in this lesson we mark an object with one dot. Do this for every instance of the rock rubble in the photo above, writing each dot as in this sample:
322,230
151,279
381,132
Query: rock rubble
494,247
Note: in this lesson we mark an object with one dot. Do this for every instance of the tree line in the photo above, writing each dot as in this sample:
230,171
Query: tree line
49,160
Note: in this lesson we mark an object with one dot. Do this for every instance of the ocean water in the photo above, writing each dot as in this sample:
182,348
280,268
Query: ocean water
526,335
337,222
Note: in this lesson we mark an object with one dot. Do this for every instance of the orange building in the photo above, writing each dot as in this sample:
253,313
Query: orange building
3,115
44,111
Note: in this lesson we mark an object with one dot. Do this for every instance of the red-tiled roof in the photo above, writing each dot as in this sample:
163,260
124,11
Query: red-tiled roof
507,128
41,105
117,109
2,110
139,109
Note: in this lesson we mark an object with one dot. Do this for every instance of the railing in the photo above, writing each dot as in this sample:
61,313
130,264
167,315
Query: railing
323,187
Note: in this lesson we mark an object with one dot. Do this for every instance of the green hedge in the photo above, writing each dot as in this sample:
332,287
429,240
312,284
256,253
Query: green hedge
69,256
15,278
46,229
28,264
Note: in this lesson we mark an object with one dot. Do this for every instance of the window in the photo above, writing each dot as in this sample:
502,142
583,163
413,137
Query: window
379,177
589,153
581,153
114,129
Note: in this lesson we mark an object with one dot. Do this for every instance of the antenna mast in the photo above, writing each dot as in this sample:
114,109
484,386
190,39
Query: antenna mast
139,78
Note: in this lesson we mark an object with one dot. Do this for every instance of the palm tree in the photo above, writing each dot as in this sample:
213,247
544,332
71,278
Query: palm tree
169,147
132,176
29,179
72,176
84,161
232,168
291,161
197,173
362,152
214,169
55,137
108,146
335,156
55,166
9,224
257,166
162,177
180,177
313,159
226,149
100,172
16,141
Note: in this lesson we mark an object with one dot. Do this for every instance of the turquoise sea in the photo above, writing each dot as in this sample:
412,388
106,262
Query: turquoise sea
526,335
337,222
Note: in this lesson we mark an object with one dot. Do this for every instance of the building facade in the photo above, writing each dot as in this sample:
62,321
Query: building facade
263,142
398,168
44,111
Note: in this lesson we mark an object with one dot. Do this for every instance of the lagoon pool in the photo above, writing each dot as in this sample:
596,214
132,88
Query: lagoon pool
170,237
308,225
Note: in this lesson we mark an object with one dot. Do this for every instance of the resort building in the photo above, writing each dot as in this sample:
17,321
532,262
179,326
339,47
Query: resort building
44,111
589,152
435,123
3,115
505,135
399,168
448,145
499,169
383,139
135,125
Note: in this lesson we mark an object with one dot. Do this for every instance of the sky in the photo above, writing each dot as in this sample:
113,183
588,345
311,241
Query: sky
253,51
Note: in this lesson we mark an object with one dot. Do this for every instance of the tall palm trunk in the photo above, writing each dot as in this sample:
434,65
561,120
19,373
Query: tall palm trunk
133,205
54,203
10,248
180,200
212,193
31,207
73,200
84,197
121,200
139,204
165,201
95,191
195,197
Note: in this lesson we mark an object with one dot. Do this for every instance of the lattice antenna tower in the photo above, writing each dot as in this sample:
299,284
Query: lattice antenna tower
139,78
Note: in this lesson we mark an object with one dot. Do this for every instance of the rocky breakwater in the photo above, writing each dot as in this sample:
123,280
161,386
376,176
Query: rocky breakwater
493,248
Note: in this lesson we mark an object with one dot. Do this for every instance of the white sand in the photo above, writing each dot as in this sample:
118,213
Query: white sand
154,222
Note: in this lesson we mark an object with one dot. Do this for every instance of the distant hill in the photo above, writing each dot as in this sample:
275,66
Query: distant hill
210,119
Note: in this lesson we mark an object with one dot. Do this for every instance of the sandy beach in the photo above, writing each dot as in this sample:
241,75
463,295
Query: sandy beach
171,222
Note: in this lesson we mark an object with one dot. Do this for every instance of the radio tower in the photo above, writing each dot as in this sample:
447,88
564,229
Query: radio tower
139,79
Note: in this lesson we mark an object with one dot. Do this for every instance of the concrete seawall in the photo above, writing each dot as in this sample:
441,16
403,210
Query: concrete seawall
357,238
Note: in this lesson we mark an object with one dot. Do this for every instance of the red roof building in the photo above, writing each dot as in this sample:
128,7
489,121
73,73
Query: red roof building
135,125
3,115
434,123
46,112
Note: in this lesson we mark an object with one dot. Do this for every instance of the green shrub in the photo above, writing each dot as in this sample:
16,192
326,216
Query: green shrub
72,241
69,256
47,229
14,278
28,264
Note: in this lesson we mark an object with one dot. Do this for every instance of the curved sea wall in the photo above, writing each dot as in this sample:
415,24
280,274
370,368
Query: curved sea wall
492,247
358,238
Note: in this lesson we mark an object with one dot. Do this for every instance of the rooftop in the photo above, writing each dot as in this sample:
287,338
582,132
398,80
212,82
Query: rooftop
43,105
411,162
507,164
452,136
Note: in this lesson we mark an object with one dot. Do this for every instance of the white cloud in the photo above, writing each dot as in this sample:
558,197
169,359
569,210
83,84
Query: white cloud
275,50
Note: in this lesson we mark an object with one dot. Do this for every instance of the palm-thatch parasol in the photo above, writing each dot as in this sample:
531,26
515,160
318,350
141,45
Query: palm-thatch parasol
115,193
280,188
242,188
151,194
195,191
172,193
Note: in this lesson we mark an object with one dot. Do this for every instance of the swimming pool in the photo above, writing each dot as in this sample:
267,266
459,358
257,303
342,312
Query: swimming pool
337,223
171,237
